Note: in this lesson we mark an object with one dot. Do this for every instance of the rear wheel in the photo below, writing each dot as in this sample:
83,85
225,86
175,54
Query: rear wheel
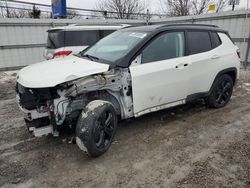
221,92
96,127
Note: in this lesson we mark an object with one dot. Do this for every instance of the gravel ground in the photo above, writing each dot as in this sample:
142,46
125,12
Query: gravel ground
187,146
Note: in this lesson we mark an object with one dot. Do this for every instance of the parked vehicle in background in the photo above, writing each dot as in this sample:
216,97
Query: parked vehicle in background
63,41
131,72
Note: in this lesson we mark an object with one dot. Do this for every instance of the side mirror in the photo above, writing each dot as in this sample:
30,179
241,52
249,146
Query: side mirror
136,61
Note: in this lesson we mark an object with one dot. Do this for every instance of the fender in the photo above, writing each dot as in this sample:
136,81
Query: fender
225,71
229,71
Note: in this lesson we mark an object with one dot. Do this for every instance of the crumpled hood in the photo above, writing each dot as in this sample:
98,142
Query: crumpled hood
56,71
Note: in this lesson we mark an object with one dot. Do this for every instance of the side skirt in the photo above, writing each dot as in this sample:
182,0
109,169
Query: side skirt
196,96
161,107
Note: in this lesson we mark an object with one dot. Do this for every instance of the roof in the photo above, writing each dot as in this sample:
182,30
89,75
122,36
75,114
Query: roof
152,28
75,27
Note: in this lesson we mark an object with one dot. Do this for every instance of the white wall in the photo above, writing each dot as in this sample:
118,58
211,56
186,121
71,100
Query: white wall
22,41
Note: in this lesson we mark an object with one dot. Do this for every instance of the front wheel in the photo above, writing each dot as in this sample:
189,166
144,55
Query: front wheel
96,127
221,92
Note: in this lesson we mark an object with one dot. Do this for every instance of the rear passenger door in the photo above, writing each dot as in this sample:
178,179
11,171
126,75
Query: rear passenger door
204,51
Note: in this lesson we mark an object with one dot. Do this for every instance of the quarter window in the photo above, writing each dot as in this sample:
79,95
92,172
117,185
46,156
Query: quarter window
215,39
105,33
198,42
166,46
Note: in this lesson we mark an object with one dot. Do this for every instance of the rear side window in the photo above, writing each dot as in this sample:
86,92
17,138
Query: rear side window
198,42
104,33
58,39
215,39
81,38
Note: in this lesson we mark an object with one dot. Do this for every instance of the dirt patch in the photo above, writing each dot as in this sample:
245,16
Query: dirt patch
187,146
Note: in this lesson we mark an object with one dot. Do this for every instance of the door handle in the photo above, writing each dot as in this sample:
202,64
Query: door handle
215,57
182,65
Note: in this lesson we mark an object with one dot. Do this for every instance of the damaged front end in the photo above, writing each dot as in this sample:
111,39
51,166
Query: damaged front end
48,110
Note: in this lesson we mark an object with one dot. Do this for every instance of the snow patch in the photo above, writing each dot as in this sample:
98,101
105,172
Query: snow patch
6,77
95,104
80,144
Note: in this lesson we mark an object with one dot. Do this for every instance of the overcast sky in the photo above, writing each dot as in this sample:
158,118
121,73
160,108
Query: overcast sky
90,4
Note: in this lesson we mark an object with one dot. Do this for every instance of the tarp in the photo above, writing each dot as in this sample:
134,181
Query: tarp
59,8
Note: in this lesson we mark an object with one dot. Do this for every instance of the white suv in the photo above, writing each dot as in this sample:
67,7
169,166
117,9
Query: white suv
72,39
127,74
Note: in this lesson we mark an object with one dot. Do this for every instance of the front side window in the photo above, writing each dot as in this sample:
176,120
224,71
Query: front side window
166,46
198,42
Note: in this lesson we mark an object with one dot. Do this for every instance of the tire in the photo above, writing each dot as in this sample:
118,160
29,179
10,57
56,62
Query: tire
96,127
221,92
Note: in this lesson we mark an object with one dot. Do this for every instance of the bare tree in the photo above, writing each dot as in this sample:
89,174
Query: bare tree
18,13
124,8
176,7
72,14
221,4
199,6
2,9
35,13
190,7
14,13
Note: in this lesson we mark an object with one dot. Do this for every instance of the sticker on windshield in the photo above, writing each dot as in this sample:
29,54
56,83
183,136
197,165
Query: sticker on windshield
138,35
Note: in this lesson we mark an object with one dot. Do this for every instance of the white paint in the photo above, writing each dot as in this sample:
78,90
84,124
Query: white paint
159,83
53,72
205,66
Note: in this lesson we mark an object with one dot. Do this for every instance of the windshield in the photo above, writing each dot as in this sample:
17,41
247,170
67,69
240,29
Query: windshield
115,46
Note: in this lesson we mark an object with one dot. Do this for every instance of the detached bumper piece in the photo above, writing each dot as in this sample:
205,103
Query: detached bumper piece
39,127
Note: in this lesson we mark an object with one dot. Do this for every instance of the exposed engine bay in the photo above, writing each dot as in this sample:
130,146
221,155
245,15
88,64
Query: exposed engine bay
47,110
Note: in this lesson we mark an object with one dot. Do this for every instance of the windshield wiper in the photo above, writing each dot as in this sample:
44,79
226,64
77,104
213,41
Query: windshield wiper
90,57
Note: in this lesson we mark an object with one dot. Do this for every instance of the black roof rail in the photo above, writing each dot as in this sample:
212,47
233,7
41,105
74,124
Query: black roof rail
191,24
102,24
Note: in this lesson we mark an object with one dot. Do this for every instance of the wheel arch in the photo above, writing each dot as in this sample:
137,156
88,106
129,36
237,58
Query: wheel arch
232,72
106,96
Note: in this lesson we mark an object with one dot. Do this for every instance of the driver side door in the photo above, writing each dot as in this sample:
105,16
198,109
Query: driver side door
160,79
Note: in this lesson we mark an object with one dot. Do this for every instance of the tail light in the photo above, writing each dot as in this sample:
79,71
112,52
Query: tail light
61,54
238,53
